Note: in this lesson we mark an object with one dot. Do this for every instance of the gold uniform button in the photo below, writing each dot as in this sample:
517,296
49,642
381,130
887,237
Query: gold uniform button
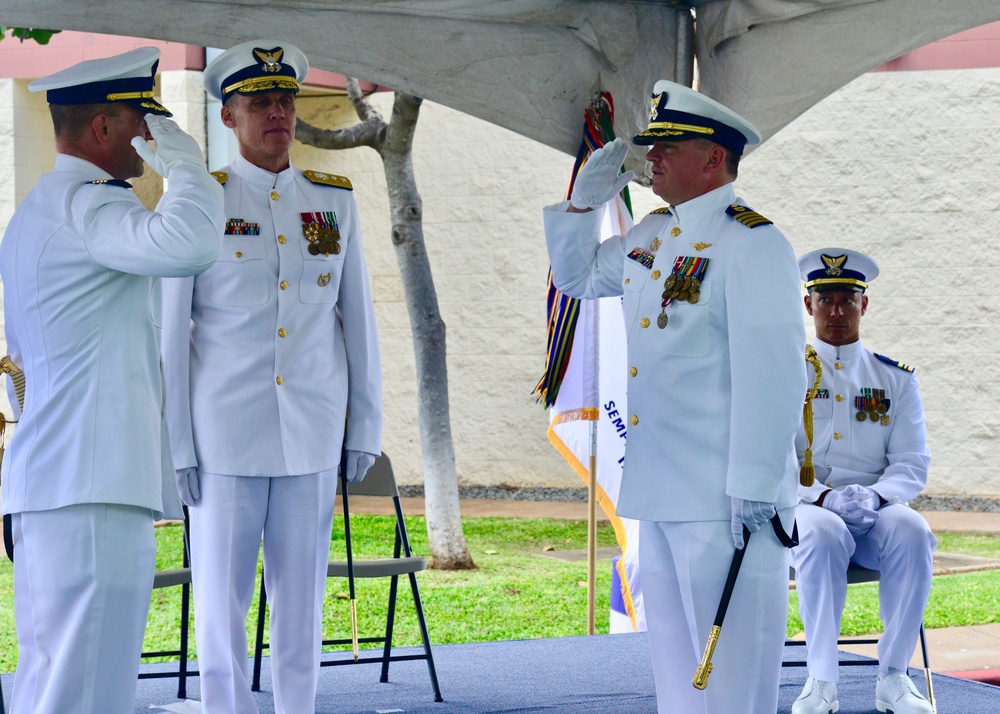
633,371
239,254
655,275
626,280
282,332
634,420
836,435
838,365
675,231
275,195
839,397
279,380
644,322
281,239
284,285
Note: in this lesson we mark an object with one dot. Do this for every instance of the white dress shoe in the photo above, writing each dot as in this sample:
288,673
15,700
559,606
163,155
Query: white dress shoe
818,697
895,693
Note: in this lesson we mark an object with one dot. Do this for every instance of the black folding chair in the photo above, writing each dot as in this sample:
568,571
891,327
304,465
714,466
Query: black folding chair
172,578
379,481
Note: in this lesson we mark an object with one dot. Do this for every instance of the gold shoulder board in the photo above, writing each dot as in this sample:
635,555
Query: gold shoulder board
748,217
665,209
221,177
329,179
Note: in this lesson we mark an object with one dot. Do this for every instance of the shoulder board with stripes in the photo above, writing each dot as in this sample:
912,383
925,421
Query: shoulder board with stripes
111,182
894,363
221,177
749,218
665,209
329,179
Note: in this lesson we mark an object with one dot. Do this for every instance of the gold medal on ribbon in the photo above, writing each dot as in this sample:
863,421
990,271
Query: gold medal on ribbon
873,415
662,319
885,420
861,416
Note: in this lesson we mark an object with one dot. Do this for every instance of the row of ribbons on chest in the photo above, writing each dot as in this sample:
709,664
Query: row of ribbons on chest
682,285
320,228
872,405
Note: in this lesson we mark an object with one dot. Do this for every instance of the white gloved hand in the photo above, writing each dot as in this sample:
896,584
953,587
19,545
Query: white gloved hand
188,485
856,517
863,496
752,514
600,179
173,146
358,463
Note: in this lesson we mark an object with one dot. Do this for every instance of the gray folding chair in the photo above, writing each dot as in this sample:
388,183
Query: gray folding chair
379,481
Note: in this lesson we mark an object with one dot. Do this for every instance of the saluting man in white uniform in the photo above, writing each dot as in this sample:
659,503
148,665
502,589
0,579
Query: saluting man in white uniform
871,457
715,391
88,466
266,355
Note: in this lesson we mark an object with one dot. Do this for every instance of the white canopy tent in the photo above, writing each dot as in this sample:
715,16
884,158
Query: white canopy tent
532,65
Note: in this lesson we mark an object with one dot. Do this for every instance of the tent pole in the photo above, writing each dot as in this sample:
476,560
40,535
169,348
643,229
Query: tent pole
684,54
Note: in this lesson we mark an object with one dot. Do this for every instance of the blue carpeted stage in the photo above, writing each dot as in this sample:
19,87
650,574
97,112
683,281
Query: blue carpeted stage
604,674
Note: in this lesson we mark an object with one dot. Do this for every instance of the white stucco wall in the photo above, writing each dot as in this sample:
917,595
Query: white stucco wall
898,164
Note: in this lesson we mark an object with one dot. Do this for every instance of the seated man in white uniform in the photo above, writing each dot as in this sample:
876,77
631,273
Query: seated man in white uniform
87,466
871,457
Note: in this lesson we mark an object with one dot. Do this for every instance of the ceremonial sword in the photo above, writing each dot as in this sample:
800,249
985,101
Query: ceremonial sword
350,558
700,680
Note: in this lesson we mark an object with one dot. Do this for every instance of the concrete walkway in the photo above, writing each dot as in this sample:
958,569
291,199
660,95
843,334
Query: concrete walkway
967,652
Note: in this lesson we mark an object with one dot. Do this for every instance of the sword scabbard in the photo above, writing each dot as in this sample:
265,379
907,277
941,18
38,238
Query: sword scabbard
700,680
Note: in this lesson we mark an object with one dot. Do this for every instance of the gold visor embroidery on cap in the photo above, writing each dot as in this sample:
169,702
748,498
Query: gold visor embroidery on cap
262,84
119,96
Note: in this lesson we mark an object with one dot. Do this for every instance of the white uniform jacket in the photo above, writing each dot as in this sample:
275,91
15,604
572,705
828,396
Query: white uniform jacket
267,351
892,457
715,397
82,306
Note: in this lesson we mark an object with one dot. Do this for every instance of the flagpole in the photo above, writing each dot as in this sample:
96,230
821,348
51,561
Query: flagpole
592,529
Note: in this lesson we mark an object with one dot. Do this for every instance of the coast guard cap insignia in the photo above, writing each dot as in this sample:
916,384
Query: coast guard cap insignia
270,59
833,263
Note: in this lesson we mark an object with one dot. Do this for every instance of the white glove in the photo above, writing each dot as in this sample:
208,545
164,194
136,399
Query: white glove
752,514
173,146
600,179
856,517
863,496
188,485
358,463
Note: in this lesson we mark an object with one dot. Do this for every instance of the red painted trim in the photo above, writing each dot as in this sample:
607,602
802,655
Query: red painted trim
30,60
971,49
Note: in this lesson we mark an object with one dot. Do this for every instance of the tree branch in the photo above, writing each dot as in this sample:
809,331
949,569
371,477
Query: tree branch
369,132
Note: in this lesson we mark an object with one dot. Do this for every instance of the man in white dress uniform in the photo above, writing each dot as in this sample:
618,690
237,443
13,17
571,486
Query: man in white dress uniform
871,457
265,356
715,394
88,467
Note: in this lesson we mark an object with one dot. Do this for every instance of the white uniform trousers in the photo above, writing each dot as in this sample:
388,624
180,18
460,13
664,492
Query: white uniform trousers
294,516
684,567
83,576
900,545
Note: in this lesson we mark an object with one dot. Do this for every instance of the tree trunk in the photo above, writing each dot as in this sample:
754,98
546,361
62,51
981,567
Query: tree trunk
394,143
444,522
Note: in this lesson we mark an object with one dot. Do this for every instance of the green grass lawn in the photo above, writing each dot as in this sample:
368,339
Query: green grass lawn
517,592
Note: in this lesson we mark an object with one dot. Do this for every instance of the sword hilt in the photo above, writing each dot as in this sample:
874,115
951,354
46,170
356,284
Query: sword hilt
700,680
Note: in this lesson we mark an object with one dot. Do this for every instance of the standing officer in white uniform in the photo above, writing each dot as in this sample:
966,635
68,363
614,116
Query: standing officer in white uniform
88,469
871,457
265,356
715,393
